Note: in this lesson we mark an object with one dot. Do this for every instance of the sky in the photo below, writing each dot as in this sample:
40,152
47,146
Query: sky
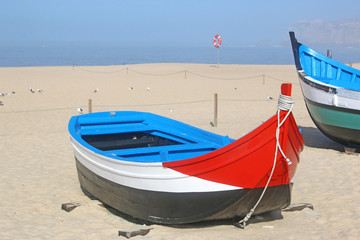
164,22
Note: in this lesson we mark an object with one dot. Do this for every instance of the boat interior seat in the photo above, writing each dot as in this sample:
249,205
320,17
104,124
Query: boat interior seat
164,153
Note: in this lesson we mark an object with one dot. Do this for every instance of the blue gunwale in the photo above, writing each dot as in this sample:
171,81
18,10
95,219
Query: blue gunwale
327,70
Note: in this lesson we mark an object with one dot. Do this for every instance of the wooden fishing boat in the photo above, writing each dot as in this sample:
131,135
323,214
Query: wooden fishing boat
164,171
332,93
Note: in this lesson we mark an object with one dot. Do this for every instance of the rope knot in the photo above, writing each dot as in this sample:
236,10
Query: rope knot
285,103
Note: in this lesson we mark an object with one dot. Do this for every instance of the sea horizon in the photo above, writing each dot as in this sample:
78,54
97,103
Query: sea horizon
108,55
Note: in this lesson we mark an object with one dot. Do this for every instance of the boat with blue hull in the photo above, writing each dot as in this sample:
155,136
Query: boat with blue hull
331,91
164,171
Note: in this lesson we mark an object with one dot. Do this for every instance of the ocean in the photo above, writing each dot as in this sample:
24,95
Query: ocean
103,55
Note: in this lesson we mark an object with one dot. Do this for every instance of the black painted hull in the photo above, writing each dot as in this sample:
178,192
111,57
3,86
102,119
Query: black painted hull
180,208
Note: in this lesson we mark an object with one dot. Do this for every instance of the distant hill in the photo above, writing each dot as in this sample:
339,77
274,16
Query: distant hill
342,32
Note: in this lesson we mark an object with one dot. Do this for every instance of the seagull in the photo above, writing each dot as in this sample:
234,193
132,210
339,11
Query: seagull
31,90
171,109
79,110
148,89
96,90
39,90
1,103
270,98
131,88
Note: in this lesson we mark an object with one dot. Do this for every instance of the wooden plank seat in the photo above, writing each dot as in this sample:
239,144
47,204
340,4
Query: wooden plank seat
163,153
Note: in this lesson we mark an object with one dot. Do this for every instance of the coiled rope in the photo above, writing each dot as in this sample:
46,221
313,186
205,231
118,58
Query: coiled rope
285,103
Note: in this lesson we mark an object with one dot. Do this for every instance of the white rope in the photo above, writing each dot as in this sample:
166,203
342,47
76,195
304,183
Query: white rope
285,103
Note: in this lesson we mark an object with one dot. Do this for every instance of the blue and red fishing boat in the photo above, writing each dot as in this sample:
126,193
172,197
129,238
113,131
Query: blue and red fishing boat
164,171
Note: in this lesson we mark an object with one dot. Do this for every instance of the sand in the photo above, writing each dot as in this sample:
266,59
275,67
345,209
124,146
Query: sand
38,173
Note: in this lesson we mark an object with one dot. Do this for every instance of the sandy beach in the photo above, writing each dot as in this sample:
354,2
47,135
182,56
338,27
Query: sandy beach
38,172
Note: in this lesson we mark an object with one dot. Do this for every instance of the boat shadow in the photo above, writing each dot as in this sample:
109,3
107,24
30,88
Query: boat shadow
315,139
261,218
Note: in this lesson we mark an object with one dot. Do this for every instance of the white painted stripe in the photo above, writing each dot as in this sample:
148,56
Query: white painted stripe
344,98
145,176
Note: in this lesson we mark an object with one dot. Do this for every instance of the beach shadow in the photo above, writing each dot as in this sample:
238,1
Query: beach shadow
125,216
86,193
315,139
261,218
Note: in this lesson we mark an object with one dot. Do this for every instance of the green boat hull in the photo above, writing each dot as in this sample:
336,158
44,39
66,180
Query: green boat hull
340,124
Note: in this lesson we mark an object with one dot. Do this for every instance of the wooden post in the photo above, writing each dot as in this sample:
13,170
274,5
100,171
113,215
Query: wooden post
73,66
263,79
329,53
185,73
215,109
90,105
127,71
